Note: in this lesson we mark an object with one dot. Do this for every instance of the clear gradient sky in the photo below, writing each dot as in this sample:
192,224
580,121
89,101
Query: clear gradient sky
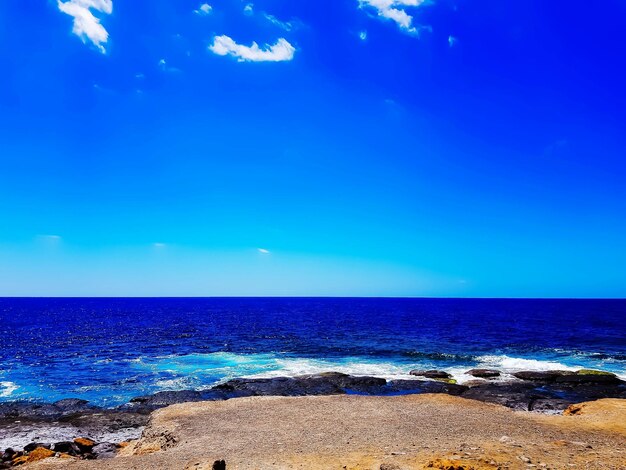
380,147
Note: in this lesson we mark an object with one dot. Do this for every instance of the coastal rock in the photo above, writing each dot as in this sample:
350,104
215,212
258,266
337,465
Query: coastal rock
10,454
586,376
167,398
104,450
280,386
43,411
37,454
541,376
517,396
33,445
72,405
483,373
431,374
67,447
548,405
424,386
475,382
84,444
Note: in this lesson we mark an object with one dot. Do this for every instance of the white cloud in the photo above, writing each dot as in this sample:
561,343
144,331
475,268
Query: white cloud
286,25
248,9
204,9
363,35
394,10
50,237
167,68
451,40
159,245
86,25
279,52
263,251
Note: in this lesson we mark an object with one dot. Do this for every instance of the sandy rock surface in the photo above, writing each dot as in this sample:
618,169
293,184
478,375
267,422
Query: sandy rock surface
364,432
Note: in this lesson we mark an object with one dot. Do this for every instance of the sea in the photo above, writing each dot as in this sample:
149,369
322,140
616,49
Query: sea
108,351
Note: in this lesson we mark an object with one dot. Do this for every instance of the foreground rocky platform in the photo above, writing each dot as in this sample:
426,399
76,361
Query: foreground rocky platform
54,427
365,432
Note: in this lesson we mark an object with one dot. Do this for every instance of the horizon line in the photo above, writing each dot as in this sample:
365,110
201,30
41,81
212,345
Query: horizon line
299,297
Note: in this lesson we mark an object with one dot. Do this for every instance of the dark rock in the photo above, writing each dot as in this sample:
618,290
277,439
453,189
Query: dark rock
549,404
484,373
162,399
280,386
33,445
66,447
29,410
475,382
347,382
104,450
72,405
9,454
219,465
539,376
431,374
517,396
84,444
424,386
587,379
111,420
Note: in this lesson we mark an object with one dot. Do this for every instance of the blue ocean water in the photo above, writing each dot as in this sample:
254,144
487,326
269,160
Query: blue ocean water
110,350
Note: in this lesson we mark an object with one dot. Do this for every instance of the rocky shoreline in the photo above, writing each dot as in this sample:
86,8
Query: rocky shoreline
74,428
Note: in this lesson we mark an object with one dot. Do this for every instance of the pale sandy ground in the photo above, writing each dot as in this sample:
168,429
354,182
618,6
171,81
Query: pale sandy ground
359,432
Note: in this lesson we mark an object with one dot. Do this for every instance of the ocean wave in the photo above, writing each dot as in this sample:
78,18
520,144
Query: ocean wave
293,367
222,366
512,364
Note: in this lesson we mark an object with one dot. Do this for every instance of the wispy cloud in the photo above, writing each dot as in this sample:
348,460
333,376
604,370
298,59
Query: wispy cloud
286,25
279,52
159,245
50,237
263,251
248,9
167,68
394,10
363,35
86,25
452,41
204,9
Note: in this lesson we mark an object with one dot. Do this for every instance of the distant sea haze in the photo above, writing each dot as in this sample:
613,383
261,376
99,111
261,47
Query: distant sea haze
108,351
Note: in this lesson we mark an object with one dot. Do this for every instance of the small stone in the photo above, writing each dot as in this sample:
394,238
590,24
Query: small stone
219,465
35,455
484,373
524,459
84,444
389,466
104,450
430,374
66,447
33,445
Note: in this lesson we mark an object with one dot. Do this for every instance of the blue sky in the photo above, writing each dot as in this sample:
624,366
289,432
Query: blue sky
313,147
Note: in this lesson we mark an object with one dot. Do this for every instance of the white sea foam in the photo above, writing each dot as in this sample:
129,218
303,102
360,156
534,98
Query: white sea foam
512,364
7,389
292,367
